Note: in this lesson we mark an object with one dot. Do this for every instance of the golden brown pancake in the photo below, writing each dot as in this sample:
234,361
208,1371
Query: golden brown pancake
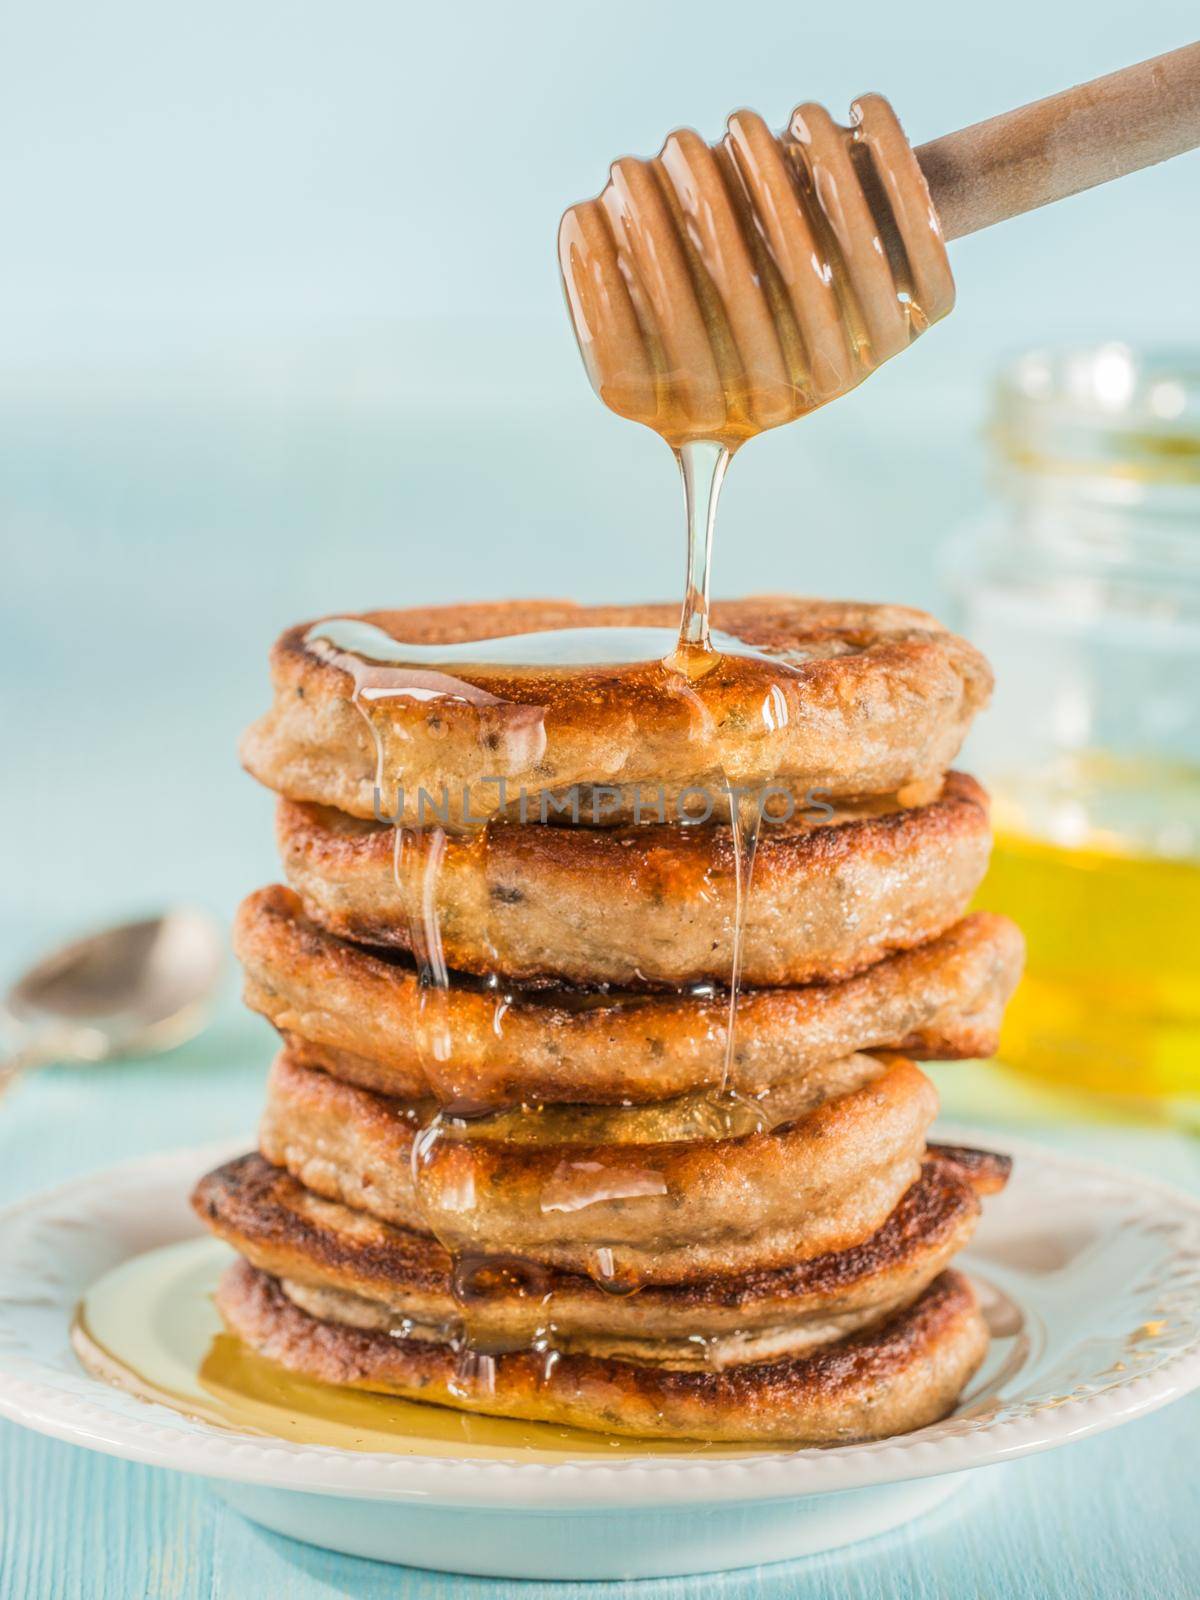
635,1195
902,1374
358,1014
848,697
649,907
348,1267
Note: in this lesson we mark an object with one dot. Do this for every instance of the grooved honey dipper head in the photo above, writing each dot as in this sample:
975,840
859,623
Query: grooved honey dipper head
717,291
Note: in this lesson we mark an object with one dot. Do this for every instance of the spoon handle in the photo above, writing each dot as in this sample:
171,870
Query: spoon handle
37,1051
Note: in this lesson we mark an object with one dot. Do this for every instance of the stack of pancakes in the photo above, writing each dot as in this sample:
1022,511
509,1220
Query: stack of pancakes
512,1160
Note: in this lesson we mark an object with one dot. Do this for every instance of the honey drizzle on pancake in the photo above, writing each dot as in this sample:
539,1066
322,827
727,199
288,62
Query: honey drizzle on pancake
417,863
746,818
381,670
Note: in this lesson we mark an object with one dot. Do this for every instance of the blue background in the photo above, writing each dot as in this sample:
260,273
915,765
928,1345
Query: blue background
282,333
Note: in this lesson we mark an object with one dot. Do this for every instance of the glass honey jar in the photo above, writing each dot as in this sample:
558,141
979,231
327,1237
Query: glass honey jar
1082,586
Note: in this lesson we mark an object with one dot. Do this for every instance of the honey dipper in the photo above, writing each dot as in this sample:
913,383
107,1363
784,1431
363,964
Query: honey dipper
720,290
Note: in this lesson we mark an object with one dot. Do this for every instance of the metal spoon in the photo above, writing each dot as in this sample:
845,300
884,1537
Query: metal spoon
129,990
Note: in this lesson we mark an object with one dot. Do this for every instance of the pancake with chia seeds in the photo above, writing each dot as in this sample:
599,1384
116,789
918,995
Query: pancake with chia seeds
362,1015
553,698
901,1374
647,907
348,1267
661,1193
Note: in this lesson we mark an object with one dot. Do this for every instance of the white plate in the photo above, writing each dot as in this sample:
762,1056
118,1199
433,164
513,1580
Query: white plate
1103,1265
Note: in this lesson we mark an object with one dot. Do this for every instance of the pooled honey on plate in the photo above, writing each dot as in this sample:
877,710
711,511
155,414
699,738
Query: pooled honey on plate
150,1327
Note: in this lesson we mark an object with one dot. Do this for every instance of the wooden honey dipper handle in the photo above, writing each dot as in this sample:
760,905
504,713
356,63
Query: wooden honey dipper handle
1066,143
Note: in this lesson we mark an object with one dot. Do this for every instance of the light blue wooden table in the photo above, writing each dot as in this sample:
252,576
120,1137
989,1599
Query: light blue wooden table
1117,1515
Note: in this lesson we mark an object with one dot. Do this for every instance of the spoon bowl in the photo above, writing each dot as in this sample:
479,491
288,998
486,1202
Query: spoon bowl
128,990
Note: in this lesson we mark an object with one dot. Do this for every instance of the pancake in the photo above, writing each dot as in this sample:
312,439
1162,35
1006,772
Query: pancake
848,697
628,1195
358,1014
647,907
339,1264
902,1374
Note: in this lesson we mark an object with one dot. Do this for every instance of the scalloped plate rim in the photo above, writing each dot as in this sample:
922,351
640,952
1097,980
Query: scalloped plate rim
201,1449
